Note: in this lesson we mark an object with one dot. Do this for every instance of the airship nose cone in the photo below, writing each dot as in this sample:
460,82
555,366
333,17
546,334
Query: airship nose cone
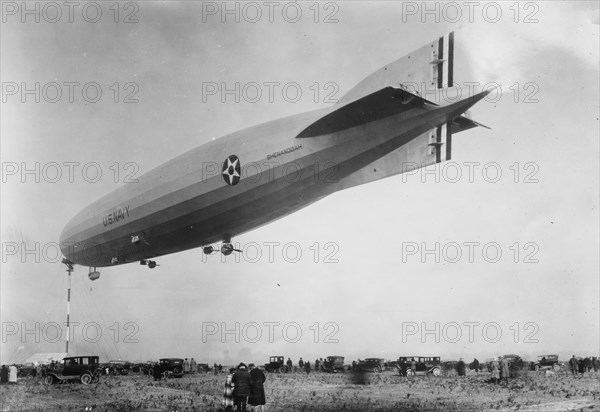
66,246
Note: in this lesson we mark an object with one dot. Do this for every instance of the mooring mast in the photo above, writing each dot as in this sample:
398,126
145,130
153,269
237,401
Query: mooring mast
69,265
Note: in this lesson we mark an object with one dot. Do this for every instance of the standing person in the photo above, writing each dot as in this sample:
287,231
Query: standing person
215,369
504,369
307,367
193,366
157,371
476,365
460,367
587,364
301,363
574,365
12,376
186,366
228,392
241,381
495,370
4,375
220,368
317,364
290,365
257,387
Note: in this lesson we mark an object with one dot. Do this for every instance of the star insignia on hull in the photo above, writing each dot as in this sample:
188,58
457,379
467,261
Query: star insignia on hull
231,170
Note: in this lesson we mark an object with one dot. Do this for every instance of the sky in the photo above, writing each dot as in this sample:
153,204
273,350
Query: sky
495,252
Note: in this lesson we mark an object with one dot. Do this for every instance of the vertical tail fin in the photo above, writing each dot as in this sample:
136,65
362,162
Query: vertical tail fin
426,70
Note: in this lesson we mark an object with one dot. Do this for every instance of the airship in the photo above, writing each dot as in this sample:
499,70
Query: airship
252,177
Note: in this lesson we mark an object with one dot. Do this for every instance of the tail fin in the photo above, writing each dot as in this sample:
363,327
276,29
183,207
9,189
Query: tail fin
428,68
423,72
426,71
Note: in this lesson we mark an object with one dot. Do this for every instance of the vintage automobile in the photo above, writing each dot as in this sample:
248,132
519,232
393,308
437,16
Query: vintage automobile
376,365
276,364
203,367
333,364
119,367
392,365
85,369
419,365
515,365
546,362
27,369
143,368
171,367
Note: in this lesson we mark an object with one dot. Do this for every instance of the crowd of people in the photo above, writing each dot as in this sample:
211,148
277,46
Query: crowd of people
244,385
582,365
8,374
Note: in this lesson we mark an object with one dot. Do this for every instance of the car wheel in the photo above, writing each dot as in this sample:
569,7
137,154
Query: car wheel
283,369
49,380
536,368
177,371
410,372
86,378
556,367
377,369
436,372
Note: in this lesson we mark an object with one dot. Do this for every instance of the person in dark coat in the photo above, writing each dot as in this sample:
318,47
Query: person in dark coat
242,383
587,364
574,365
4,375
476,365
307,367
157,372
460,367
301,364
257,387
581,363
290,365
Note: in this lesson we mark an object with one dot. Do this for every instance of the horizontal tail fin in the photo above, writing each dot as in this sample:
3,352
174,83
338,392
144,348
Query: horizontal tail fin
378,105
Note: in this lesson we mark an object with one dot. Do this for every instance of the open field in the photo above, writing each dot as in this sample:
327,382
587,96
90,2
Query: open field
534,391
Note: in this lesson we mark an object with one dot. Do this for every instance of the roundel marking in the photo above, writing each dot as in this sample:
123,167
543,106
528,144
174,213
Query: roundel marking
232,170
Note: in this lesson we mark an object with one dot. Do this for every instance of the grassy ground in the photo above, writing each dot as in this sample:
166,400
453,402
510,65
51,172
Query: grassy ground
534,391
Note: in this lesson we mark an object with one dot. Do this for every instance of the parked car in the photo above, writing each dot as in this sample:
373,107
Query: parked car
85,369
203,367
376,365
546,362
515,365
28,369
276,364
172,367
333,364
420,365
118,367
